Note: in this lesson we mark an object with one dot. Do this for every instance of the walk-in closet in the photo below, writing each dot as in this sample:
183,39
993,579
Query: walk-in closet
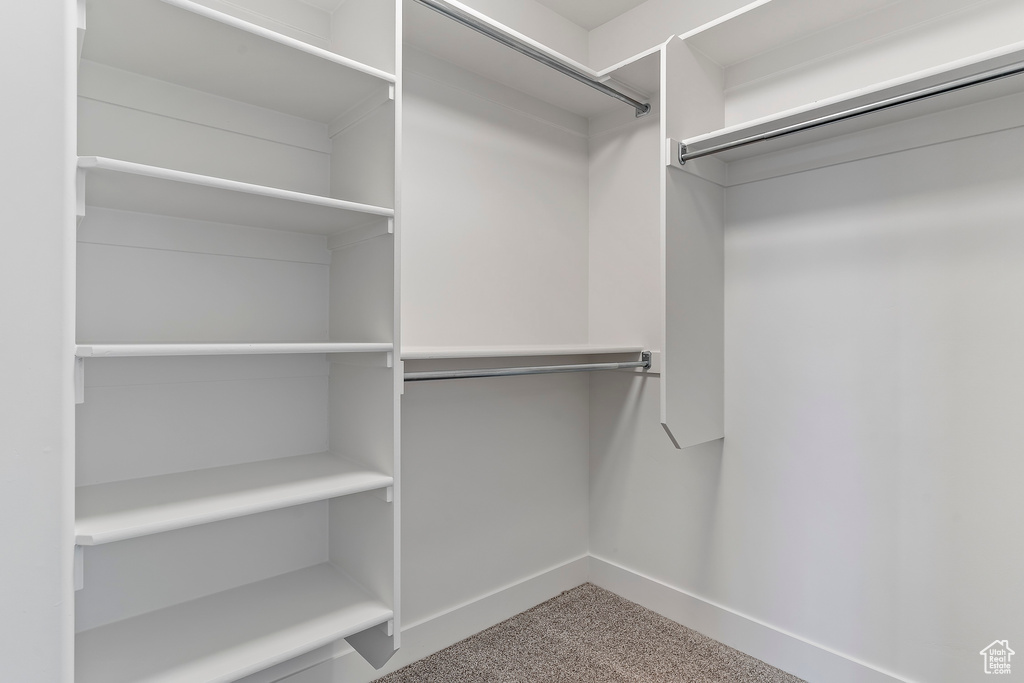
350,339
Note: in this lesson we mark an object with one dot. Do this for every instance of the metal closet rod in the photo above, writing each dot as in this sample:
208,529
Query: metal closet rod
645,363
518,45
922,94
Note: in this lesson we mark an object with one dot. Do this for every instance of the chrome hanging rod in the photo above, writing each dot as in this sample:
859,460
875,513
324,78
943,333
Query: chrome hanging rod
522,47
922,94
645,363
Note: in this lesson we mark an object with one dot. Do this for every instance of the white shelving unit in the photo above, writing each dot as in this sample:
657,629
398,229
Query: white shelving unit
150,350
237,316
768,66
128,509
222,637
187,43
126,186
722,170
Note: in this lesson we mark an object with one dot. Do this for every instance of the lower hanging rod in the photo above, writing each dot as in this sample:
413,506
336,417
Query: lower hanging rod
922,94
530,51
644,362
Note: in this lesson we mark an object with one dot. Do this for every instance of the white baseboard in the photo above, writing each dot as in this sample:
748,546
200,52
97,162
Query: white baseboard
791,653
807,660
439,631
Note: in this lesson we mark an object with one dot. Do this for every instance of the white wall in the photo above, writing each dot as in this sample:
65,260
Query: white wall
494,252
625,301
651,24
494,216
538,22
36,419
495,475
873,392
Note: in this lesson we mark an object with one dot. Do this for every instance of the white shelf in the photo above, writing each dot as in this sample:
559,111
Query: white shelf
229,635
124,185
191,45
141,350
439,352
882,91
106,513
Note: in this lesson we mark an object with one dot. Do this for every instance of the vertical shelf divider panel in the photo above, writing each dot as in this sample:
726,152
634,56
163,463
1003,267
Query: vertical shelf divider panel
693,223
243,401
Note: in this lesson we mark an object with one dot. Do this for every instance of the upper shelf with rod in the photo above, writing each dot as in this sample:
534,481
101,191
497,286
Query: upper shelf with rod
456,33
945,88
768,79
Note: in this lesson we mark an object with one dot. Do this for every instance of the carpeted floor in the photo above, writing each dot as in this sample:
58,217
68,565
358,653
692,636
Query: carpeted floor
588,635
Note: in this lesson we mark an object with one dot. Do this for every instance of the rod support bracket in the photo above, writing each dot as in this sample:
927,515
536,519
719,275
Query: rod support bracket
79,569
79,380
682,154
643,111
646,358
387,494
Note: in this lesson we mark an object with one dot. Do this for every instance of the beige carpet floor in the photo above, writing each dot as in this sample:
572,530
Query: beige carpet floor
588,635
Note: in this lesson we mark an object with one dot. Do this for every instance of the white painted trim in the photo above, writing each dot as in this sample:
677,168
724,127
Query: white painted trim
438,631
795,654
807,659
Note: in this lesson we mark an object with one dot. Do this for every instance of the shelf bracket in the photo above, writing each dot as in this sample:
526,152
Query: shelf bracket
375,644
79,380
391,226
387,494
79,567
80,195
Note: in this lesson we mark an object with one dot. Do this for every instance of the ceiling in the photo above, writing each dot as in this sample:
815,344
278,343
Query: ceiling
586,13
590,13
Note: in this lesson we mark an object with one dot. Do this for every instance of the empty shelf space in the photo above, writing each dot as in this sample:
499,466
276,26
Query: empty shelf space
228,635
150,350
439,352
128,509
128,186
182,42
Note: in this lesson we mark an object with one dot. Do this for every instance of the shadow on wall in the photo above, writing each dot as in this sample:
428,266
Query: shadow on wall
653,508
